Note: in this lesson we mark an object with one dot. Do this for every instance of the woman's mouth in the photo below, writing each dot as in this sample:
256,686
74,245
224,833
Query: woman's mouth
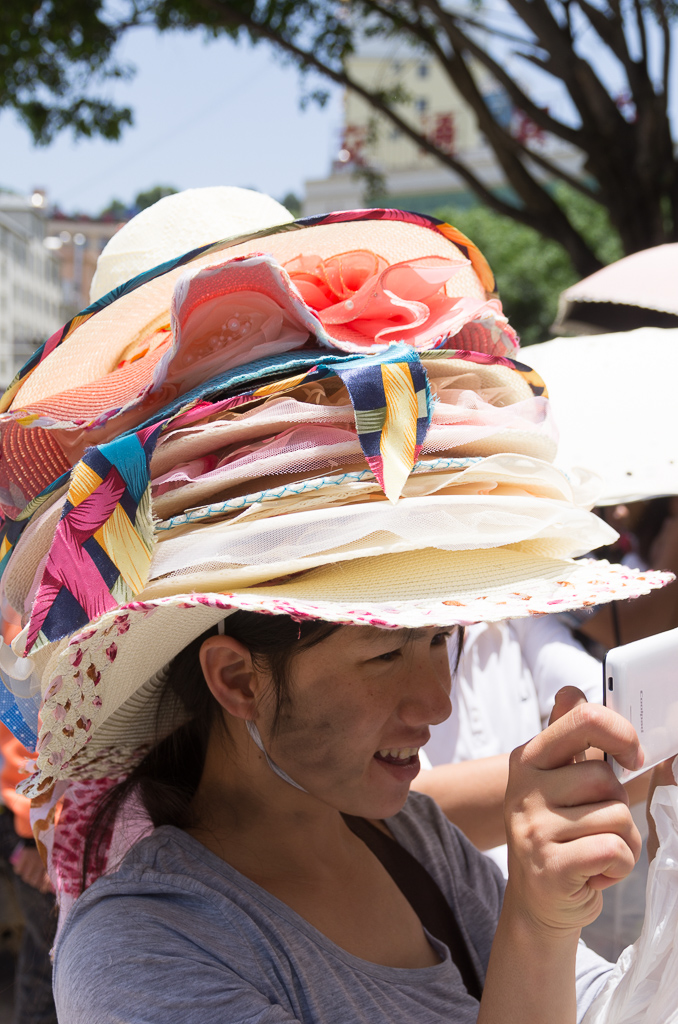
401,762
398,755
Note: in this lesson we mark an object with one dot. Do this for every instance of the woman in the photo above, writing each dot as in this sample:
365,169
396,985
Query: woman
253,900
289,477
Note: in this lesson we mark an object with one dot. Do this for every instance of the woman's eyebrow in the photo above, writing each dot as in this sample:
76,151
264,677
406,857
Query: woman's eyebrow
421,633
372,635
398,637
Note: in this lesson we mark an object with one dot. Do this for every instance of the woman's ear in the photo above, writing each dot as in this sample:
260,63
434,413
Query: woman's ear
230,675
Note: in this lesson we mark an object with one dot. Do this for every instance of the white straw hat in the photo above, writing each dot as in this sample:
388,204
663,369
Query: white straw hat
178,223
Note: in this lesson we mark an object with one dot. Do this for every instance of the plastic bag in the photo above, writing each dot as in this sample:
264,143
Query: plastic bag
643,987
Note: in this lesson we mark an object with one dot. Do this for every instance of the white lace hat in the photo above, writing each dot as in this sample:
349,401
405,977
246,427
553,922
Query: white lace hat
101,687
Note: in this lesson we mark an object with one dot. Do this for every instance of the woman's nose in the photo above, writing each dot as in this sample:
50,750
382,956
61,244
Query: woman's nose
427,701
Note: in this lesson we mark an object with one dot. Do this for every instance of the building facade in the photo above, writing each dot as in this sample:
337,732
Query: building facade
31,307
76,243
413,178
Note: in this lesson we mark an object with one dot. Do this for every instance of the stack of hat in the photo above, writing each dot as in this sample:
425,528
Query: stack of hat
323,420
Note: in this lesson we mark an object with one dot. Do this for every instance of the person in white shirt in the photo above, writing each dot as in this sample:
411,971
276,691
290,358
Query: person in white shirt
503,693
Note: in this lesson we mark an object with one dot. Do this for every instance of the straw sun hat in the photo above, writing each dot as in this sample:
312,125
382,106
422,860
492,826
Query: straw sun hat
178,223
323,420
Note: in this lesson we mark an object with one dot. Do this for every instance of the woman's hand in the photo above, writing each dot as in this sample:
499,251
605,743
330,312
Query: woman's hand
570,834
570,831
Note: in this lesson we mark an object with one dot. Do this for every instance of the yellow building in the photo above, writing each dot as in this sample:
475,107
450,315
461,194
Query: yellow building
414,179
433,106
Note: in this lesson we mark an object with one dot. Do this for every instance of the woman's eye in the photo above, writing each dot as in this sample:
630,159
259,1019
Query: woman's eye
441,638
389,656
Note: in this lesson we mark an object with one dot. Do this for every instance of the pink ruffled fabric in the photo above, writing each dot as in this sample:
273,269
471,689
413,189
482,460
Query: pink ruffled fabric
364,303
299,450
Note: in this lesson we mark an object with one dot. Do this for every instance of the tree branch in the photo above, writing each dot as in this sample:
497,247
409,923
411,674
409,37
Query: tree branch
550,220
418,28
508,144
460,41
308,59
595,105
498,33
325,54
510,153
611,31
667,42
640,23
558,172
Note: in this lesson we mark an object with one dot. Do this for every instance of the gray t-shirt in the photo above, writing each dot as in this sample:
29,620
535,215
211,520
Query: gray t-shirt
177,936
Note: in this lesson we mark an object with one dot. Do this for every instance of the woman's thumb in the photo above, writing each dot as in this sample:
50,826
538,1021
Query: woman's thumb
567,698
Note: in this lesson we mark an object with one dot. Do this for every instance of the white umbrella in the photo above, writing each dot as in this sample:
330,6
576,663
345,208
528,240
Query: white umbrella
636,291
615,400
646,279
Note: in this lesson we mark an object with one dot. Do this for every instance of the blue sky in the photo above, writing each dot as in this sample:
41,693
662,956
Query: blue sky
205,114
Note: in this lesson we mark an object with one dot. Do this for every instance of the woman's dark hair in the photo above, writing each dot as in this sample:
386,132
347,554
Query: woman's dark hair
167,778
649,526
646,529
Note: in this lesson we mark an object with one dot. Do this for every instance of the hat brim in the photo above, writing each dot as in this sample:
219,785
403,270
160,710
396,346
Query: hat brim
100,710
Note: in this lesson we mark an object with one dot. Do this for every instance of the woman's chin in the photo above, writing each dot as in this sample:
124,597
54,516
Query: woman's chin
380,797
373,807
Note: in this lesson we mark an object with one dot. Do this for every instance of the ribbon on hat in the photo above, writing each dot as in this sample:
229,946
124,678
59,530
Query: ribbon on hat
392,404
530,376
104,542
391,400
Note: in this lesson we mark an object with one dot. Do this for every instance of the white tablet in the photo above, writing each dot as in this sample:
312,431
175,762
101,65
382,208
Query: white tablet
641,683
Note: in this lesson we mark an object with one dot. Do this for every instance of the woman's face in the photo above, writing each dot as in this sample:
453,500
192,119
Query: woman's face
359,707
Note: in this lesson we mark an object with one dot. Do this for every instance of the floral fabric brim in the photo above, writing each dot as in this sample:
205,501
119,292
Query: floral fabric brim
100,699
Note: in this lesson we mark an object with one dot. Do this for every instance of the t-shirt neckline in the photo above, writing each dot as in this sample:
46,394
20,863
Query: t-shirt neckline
395,975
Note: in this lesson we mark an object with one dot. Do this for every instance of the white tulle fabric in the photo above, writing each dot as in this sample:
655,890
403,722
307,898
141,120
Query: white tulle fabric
505,474
462,523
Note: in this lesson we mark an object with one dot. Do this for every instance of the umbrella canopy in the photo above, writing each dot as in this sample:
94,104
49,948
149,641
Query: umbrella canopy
637,291
614,400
